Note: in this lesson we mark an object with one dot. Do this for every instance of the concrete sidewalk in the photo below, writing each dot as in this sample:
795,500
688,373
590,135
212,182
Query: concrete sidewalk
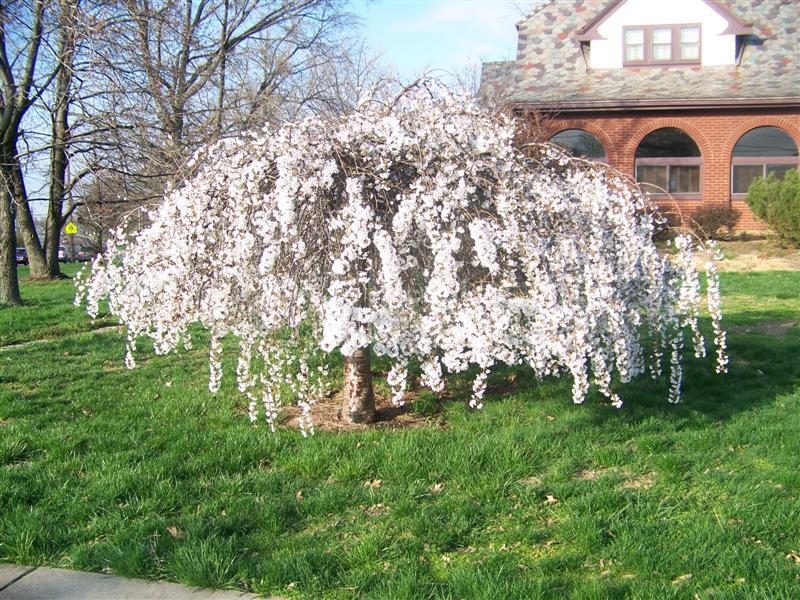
42,583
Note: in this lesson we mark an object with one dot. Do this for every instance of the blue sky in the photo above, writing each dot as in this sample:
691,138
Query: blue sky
415,35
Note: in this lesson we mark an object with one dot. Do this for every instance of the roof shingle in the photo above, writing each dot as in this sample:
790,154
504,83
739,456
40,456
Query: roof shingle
551,69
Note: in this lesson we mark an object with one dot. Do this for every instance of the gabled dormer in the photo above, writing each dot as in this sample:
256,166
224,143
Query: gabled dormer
644,33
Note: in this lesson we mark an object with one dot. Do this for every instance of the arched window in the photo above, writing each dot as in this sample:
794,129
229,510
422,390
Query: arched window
580,143
758,153
668,161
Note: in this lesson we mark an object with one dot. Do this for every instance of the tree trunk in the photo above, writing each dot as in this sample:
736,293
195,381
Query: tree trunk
358,396
13,181
59,159
9,284
55,207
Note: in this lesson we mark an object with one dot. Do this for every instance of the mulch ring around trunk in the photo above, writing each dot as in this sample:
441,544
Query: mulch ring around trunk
326,415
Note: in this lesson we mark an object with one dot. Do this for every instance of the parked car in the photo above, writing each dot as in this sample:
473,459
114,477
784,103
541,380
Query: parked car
62,254
22,256
83,255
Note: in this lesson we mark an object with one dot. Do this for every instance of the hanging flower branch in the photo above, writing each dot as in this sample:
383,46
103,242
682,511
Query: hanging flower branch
420,230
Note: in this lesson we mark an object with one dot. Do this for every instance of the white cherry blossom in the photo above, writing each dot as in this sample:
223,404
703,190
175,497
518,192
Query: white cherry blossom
418,228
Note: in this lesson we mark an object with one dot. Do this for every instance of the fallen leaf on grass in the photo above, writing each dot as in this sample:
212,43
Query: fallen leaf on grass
794,557
682,578
375,509
437,488
373,483
551,500
176,533
299,495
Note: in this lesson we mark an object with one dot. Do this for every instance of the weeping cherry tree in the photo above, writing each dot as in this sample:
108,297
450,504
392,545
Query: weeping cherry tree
414,229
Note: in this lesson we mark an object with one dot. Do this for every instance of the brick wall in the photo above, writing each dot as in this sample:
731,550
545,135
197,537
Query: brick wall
714,131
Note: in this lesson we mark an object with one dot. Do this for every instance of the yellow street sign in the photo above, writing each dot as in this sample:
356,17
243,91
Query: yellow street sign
71,229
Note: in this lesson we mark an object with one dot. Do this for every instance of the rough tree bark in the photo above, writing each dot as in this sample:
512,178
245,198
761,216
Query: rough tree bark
55,206
9,286
13,176
357,394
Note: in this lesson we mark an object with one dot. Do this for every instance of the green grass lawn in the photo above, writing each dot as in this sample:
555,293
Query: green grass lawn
143,473
48,312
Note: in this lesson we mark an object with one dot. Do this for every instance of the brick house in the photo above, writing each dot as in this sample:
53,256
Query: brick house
693,98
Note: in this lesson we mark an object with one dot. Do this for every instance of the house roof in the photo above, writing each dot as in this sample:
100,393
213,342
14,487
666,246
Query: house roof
552,68
735,24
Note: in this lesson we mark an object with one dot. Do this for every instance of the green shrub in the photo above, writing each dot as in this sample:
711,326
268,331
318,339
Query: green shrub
713,221
778,203
758,193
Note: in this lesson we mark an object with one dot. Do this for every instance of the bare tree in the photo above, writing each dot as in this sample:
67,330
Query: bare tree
171,58
163,79
21,36
60,126
337,80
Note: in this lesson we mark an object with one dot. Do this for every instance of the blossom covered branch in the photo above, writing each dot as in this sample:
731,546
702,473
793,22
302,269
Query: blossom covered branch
418,229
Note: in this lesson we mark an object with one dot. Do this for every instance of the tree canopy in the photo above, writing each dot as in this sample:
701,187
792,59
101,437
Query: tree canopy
416,227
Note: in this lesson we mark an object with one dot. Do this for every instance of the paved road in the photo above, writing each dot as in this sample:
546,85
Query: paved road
31,583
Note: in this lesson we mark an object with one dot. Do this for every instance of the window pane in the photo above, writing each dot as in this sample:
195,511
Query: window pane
690,35
634,36
765,141
780,170
743,176
633,53
684,179
662,36
668,142
653,176
662,52
580,143
690,52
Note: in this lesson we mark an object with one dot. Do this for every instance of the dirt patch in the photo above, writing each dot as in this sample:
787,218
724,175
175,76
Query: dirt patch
592,474
642,482
375,510
531,481
31,343
776,329
754,255
327,416
747,263
20,388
